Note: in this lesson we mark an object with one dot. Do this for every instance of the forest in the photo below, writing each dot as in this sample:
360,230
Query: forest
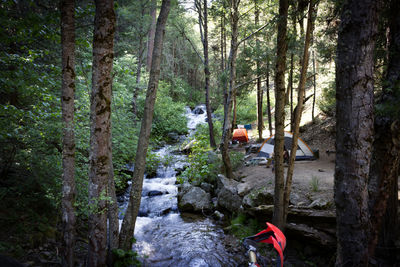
118,122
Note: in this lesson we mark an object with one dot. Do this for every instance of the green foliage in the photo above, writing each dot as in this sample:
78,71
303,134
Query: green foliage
169,116
236,159
204,164
243,226
124,258
314,184
328,103
246,110
121,181
152,163
180,91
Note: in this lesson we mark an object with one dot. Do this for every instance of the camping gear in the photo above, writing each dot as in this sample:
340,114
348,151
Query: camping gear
240,135
247,126
303,151
272,235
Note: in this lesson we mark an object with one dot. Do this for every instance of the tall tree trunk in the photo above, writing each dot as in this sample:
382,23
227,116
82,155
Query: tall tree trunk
299,109
203,23
139,63
100,130
226,129
113,221
234,111
354,128
384,172
222,42
268,101
152,32
128,224
68,152
277,218
291,91
260,119
291,80
315,87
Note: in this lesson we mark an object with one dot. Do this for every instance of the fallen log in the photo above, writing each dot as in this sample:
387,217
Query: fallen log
298,215
310,234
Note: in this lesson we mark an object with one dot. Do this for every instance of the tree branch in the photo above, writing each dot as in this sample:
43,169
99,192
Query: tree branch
247,82
253,33
182,32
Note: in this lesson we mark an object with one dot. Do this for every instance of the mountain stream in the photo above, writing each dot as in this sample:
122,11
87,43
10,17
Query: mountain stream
164,236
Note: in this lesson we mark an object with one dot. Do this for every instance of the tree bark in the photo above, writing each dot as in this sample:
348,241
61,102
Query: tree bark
384,172
294,19
299,109
203,23
68,151
227,127
268,101
315,87
354,129
277,218
260,119
128,224
100,130
291,91
152,32
113,221
139,63
222,41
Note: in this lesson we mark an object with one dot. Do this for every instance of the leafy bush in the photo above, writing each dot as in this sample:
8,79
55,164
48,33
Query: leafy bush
125,258
152,163
204,164
246,110
236,159
328,103
242,226
169,117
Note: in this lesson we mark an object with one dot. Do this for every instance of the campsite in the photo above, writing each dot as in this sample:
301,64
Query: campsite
199,133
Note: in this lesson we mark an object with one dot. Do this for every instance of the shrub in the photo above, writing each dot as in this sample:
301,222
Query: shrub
202,165
242,226
328,103
169,117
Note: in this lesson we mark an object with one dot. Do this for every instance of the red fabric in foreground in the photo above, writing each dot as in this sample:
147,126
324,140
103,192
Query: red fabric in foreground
278,240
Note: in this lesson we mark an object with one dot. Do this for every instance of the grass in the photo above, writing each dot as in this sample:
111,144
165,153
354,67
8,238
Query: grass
314,184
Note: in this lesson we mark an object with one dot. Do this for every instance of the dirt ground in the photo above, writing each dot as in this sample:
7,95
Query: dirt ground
311,179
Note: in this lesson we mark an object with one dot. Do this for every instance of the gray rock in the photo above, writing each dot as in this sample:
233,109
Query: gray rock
154,193
198,111
207,187
296,199
320,204
218,215
229,200
257,197
229,184
183,189
195,200
174,137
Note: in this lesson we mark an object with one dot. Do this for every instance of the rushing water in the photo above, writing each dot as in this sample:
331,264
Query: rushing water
164,236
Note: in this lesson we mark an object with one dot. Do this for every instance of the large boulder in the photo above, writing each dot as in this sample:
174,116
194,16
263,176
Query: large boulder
195,199
229,200
229,184
198,111
257,197
228,197
183,189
